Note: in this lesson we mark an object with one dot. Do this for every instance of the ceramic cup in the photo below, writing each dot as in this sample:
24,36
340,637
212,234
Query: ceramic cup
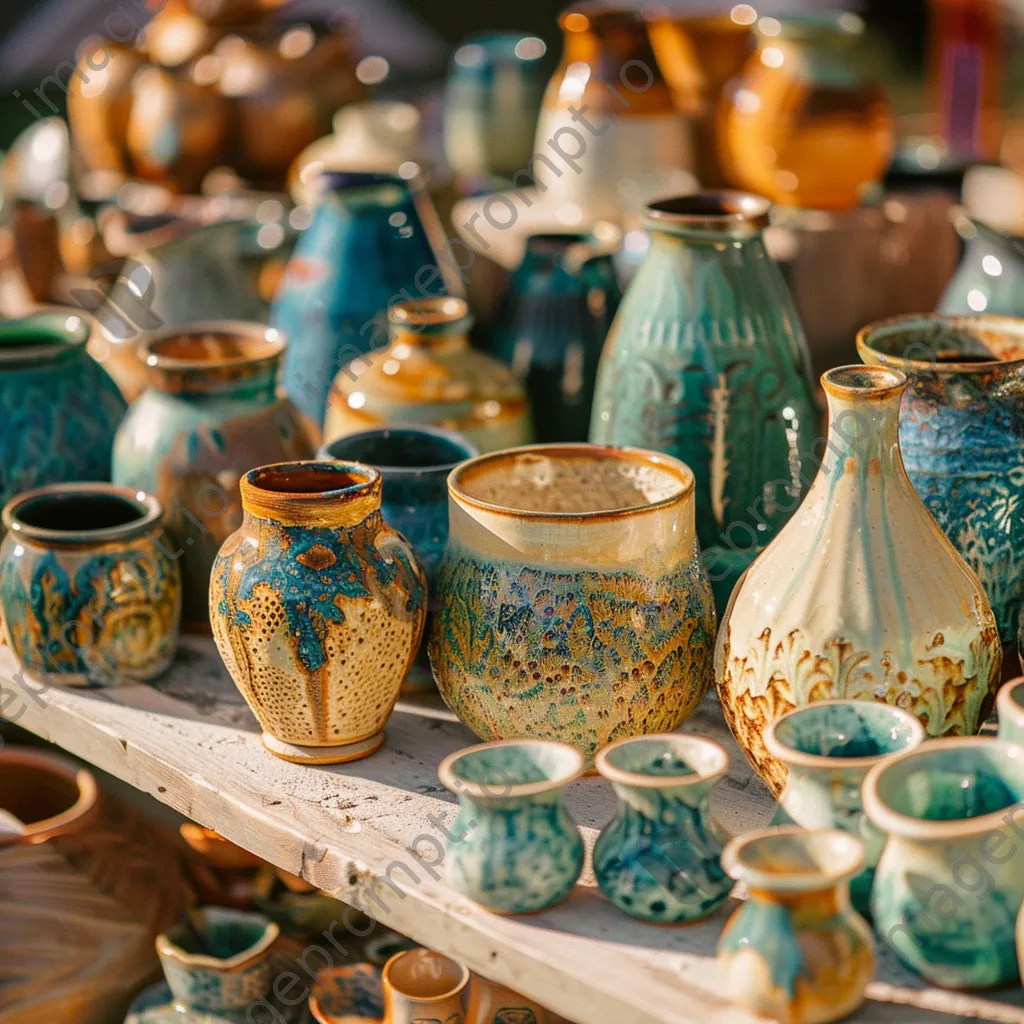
518,851
658,859
421,987
1010,706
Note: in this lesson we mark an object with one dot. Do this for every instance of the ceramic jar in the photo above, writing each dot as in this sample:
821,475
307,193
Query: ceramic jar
89,593
490,1003
658,859
572,604
795,951
860,596
317,608
990,277
962,437
827,748
350,994
421,987
706,361
210,414
58,409
551,326
950,882
430,376
518,850
1010,706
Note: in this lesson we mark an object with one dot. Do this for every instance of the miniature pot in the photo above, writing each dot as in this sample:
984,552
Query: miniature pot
421,987
350,994
1010,706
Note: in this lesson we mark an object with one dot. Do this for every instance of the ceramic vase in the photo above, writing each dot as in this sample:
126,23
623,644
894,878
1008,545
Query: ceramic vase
517,851
89,593
658,859
990,277
490,1003
366,248
210,414
796,951
552,325
860,596
827,748
421,987
58,409
350,994
706,361
317,608
962,437
950,882
430,376
571,601
1010,706
414,463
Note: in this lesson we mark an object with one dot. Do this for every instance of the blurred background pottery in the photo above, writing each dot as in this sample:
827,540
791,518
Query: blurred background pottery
900,618
423,986
525,852
350,994
572,604
490,1003
990,277
1010,705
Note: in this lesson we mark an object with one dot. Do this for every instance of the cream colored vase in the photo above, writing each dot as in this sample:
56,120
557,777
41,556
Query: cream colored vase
860,595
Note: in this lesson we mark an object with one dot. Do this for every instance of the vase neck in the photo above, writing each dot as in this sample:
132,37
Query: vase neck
313,495
806,907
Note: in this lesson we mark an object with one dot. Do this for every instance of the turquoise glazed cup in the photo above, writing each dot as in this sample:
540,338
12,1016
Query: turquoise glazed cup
950,881
1010,707
658,859
796,950
518,851
89,593
828,747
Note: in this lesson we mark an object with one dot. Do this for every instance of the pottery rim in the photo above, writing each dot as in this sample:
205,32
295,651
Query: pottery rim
450,437
801,759
271,931
258,345
423,954
450,779
443,315
320,1013
896,823
863,382
53,331
683,745
1010,701
834,865
726,212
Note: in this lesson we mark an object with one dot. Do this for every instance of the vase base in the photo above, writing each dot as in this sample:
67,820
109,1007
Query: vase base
339,753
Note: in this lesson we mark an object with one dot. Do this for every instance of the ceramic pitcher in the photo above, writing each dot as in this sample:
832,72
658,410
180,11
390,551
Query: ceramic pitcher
423,987
861,595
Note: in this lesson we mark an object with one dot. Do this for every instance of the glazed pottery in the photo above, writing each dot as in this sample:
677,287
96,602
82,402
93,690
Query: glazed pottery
210,414
860,596
552,325
350,994
422,987
414,463
796,951
89,592
517,850
317,608
826,749
658,859
990,277
430,376
366,248
962,437
490,1003
571,601
58,409
706,361
1010,706
949,883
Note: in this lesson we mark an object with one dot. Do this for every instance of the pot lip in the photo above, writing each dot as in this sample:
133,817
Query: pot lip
674,466
149,507
1007,704
904,825
451,781
638,780
386,970
792,757
246,330
826,878
166,948
366,476
437,433
70,331
441,315
344,971
731,212
863,382
332,508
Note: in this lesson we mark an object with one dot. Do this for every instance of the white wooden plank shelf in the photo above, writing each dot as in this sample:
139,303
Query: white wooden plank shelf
190,741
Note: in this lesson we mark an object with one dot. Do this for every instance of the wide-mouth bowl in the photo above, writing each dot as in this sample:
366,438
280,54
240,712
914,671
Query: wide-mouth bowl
724,212
863,382
791,859
835,734
424,975
232,937
50,795
510,769
402,451
667,759
211,345
946,789
1010,702
570,482
42,336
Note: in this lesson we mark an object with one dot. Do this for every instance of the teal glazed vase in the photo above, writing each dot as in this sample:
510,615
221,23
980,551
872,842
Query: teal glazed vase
89,593
517,850
211,412
950,881
706,361
962,437
1010,707
659,857
827,748
552,325
58,408
796,951
367,248
990,277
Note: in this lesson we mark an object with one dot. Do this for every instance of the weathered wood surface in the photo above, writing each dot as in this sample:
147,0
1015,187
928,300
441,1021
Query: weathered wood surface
191,742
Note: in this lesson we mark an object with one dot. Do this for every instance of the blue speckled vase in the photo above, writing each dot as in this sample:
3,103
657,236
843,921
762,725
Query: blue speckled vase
950,881
517,849
1010,706
990,277
658,859
796,950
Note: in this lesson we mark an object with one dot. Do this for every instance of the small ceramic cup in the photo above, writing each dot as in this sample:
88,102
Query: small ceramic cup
350,994
1010,706
658,859
950,881
827,748
796,950
518,850
421,987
